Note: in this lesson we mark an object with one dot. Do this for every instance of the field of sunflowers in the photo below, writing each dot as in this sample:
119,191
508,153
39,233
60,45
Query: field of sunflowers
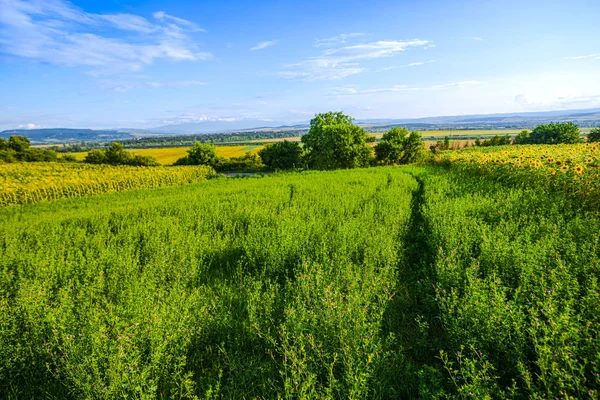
25,183
573,169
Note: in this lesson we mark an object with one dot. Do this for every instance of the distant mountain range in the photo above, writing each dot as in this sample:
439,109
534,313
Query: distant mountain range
523,120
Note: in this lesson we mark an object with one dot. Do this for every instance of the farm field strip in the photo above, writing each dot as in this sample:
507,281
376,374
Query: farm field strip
24,183
168,155
572,169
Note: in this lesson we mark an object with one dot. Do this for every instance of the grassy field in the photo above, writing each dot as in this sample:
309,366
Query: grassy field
458,280
168,155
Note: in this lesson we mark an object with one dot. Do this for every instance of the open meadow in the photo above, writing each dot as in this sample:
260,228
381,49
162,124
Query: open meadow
473,277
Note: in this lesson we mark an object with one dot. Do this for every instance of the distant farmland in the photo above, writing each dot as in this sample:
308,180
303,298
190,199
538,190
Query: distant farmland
168,155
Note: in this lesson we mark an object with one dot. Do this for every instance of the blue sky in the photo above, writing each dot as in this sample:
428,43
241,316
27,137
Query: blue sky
121,64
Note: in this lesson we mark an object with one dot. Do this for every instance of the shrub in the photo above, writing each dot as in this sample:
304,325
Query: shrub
247,163
334,141
200,154
594,135
399,146
282,155
553,133
117,155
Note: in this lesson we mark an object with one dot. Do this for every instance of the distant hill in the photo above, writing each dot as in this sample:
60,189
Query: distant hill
526,120
62,135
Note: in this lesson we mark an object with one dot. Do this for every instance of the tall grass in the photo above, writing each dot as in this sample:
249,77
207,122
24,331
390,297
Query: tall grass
413,282
271,287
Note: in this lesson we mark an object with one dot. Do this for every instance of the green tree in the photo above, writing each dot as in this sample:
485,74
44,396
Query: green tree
95,156
391,147
334,141
3,144
200,154
522,137
399,146
414,147
20,144
117,155
281,155
594,135
554,133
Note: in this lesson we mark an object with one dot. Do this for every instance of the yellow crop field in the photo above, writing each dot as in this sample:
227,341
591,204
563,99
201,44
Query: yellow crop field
168,155
573,168
23,183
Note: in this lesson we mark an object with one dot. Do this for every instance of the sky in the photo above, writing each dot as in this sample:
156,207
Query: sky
142,64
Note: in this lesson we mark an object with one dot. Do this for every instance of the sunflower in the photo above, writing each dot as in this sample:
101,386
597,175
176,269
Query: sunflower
578,169
564,168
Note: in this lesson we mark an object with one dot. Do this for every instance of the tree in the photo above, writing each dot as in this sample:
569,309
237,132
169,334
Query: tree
200,154
413,148
399,146
116,155
391,147
20,144
95,157
281,155
554,133
334,141
3,144
522,137
594,135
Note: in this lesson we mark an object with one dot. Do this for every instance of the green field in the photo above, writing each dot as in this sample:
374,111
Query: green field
388,282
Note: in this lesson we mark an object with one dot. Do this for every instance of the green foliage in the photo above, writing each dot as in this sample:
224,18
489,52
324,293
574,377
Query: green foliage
552,133
18,148
254,288
496,140
200,154
95,156
399,146
522,137
410,282
333,141
247,163
282,155
593,136
19,144
117,155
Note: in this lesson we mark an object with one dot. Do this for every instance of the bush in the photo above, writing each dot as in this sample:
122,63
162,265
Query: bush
282,155
594,135
247,163
399,146
19,144
553,133
200,154
522,137
497,140
117,155
36,155
333,141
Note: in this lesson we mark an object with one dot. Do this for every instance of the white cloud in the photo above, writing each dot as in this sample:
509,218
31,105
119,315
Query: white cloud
415,64
57,32
344,61
348,91
264,45
336,40
595,56
28,126
477,38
